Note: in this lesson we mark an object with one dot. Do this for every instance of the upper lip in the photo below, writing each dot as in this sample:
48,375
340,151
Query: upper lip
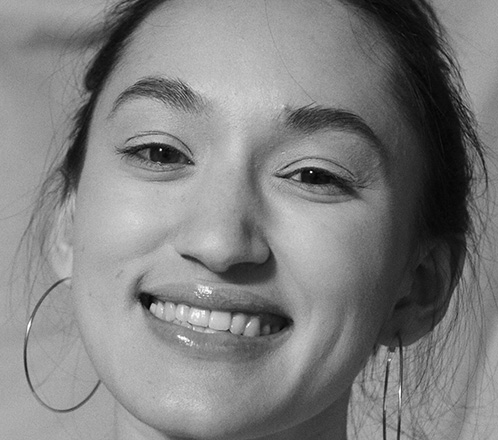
215,297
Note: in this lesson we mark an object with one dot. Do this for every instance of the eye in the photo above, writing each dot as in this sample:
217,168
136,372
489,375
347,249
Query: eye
321,181
312,176
156,156
162,154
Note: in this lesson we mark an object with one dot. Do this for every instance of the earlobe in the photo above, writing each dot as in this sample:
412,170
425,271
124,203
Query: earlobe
428,294
61,241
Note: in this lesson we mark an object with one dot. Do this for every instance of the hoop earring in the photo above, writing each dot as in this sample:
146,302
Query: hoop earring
25,357
400,389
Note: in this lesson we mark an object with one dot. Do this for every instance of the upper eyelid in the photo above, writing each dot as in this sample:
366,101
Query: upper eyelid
319,169
152,133
321,160
146,134
351,182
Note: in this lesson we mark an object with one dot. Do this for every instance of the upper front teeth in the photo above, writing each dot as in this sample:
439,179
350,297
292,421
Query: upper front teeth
214,321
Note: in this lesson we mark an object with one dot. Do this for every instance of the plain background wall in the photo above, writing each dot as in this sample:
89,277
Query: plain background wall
37,70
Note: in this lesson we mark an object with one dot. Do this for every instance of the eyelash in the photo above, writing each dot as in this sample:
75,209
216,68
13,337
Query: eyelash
135,154
336,184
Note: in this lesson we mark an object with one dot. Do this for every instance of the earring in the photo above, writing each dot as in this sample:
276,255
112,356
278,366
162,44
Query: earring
400,389
25,357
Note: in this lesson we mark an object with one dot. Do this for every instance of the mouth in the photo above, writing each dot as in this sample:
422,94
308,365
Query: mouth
235,322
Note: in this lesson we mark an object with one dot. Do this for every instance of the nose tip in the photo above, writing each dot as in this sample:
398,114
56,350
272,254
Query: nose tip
219,245
221,228
219,251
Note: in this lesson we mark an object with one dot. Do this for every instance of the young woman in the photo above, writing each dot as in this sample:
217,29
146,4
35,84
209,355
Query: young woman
257,196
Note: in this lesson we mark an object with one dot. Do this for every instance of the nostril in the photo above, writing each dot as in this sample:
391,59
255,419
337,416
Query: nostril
219,258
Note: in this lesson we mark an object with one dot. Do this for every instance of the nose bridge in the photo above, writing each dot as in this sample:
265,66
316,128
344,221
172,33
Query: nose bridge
223,200
222,225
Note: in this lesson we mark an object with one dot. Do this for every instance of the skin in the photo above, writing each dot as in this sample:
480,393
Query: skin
230,211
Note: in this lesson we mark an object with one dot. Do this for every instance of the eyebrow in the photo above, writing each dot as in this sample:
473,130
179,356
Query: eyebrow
309,119
314,118
170,91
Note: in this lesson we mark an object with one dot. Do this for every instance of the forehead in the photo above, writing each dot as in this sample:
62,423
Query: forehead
306,43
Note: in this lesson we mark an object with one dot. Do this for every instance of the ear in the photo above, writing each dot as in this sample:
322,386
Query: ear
61,240
424,299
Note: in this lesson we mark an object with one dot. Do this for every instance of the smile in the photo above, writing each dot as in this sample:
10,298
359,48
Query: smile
222,323
216,321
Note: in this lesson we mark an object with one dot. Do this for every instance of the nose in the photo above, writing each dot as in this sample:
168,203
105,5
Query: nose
222,225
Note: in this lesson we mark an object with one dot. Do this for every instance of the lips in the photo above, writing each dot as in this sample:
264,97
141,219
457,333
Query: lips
212,311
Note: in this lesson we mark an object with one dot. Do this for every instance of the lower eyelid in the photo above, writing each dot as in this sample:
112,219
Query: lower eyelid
330,190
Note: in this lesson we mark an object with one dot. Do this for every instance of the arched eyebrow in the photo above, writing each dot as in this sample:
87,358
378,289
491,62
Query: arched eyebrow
314,118
170,91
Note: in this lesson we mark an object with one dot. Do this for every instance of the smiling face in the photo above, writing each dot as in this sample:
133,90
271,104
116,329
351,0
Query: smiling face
247,160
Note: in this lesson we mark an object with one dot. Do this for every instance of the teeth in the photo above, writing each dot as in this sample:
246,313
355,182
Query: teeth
159,310
238,324
199,317
186,324
216,321
153,308
169,311
182,312
220,320
253,327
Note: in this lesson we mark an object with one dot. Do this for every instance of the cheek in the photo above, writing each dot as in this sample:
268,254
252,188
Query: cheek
340,247
116,223
115,226
344,268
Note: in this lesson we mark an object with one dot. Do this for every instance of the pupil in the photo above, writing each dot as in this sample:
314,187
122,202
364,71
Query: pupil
163,155
315,177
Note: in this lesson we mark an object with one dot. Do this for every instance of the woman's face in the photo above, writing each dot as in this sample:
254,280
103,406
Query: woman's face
247,160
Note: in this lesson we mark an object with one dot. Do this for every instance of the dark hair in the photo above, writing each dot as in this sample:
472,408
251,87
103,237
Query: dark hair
425,80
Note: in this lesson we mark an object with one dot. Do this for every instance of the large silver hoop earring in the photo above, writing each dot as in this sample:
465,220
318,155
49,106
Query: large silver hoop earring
25,356
400,389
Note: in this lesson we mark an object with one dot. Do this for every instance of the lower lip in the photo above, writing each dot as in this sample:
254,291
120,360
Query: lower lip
218,346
